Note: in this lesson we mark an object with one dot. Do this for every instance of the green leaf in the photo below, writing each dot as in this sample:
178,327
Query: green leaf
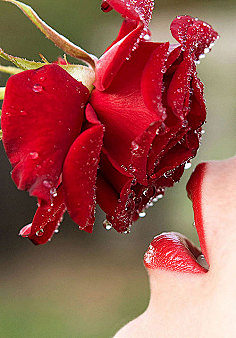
59,40
21,63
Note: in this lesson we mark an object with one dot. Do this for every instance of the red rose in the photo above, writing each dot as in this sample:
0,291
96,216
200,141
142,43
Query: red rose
123,144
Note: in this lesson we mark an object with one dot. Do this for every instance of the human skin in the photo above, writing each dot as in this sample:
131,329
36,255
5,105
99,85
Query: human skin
198,304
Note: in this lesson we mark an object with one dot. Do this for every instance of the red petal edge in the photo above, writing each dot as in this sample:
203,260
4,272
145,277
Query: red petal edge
42,115
80,172
46,220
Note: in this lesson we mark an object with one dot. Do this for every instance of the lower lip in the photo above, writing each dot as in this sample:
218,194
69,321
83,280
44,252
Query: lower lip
172,251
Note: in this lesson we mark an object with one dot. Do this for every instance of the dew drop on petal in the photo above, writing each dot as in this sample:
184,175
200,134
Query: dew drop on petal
47,184
37,88
142,214
184,123
134,145
23,113
187,165
39,233
107,225
53,192
56,231
34,155
145,192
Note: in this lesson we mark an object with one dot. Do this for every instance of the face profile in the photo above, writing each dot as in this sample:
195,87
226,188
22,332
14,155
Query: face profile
193,291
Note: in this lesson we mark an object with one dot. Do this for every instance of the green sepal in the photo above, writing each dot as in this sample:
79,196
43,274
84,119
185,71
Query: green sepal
21,63
2,92
81,73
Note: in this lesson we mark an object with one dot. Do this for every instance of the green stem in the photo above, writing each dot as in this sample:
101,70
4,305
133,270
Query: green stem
9,70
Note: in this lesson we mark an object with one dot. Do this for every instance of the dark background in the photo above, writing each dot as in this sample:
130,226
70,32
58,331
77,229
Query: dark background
89,285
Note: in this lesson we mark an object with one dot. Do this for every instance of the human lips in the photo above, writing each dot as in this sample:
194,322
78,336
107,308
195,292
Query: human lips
173,251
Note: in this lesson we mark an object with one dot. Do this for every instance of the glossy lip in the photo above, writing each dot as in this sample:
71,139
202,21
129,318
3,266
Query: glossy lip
173,251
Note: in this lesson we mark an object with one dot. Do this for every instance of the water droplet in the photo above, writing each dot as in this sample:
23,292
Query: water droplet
142,214
37,88
34,155
47,184
53,192
187,165
160,196
134,145
107,225
23,113
145,192
194,225
203,131
56,231
184,123
202,56
206,50
39,233
146,37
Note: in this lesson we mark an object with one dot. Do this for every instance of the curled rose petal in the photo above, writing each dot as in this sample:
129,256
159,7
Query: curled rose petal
177,155
124,114
111,61
42,115
140,151
179,88
138,10
152,80
79,175
195,35
46,220
138,15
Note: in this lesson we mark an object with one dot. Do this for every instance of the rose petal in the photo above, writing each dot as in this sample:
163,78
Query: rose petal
111,61
138,15
197,113
182,152
140,150
79,175
46,220
138,10
42,115
152,80
121,108
195,35
179,88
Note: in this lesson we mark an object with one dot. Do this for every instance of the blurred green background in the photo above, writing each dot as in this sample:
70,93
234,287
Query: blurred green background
89,285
